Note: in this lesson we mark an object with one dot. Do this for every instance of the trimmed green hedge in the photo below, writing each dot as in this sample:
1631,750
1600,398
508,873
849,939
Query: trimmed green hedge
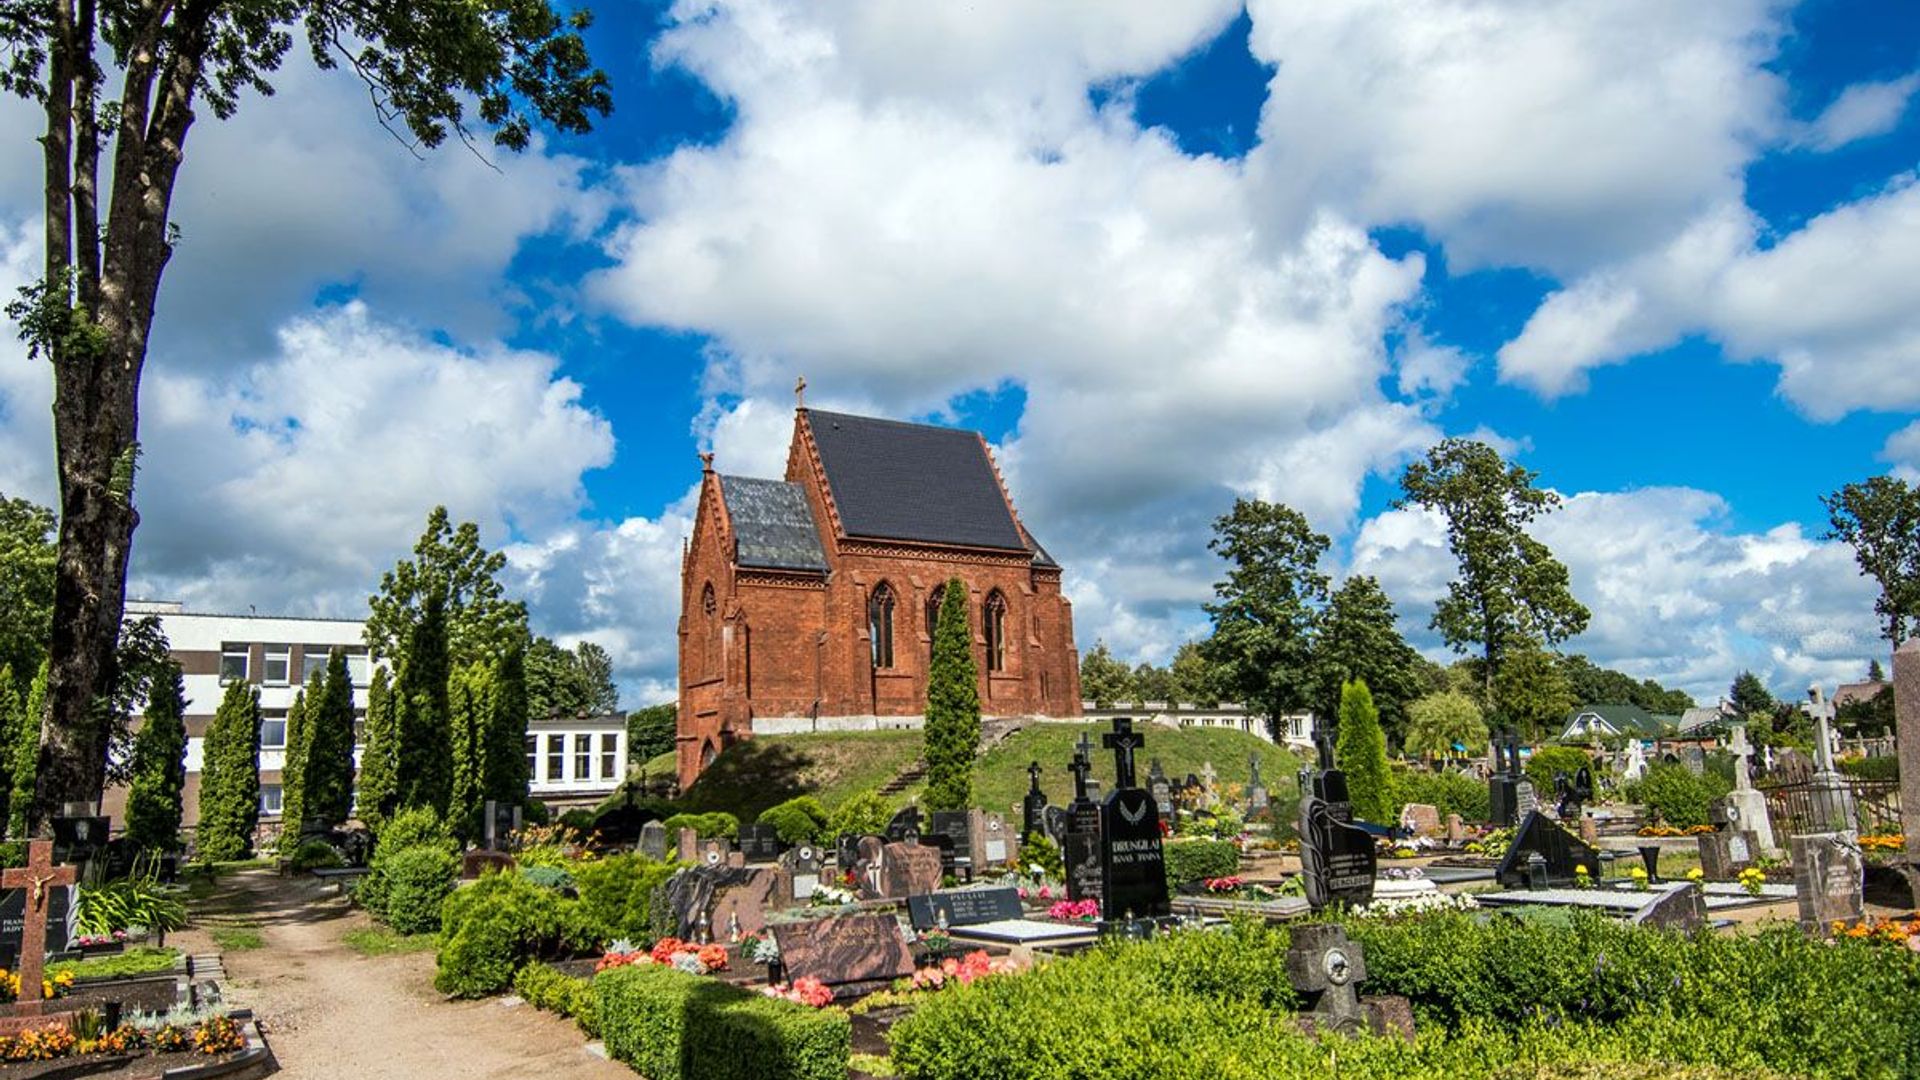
1197,860
1500,999
1678,797
1450,793
708,826
616,893
1885,767
491,928
418,880
545,988
670,1025
801,820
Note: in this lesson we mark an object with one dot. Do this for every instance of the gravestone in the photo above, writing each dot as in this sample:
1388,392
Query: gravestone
1724,854
500,820
1133,867
1456,829
1636,763
846,850
1679,906
1420,819
1209,787
653,841
1524,800
1162,789
719,852
1057,824
1510,793
1832,796
963,907
78,833
1080,849
1749,802
1573,792
956,827
910,869
689,846
870,868
1033,808
802,865
905,828
994,843
1337,859
1695,759
37,881
741,909
690,895
1258,800
1559,853
759,843
849,953
1906,711
1326,969
1828,881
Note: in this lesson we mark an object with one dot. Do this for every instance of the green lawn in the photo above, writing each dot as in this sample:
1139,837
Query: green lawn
236,936
379,940
757,774
139,960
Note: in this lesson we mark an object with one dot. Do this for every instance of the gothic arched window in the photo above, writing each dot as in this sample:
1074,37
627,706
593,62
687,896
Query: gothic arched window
995,621
710,632
934,599
880,624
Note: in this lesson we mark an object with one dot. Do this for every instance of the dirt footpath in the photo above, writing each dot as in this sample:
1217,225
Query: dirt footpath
330,1012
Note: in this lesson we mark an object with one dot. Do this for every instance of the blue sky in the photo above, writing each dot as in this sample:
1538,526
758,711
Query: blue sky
1162,255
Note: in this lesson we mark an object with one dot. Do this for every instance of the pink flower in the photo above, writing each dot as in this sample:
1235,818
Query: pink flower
1046,892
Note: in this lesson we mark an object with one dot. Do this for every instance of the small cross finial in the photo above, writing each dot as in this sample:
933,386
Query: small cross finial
706,462
800,392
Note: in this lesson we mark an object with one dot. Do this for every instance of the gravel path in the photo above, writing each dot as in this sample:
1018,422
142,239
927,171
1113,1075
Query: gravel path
330,1012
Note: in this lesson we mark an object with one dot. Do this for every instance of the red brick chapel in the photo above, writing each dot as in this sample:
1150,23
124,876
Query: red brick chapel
807,603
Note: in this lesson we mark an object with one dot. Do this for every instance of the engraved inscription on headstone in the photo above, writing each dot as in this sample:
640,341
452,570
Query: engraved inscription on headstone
1133,877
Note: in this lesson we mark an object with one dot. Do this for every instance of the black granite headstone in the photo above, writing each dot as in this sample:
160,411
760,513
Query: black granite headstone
1034,806
1133,865
760,843
905,827
953,825
963,907
13,922
1056,822
1337,858
1560,852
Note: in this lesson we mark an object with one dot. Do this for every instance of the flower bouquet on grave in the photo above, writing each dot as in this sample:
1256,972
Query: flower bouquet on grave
1752,879
936,941
806,991
1075,910
1639,876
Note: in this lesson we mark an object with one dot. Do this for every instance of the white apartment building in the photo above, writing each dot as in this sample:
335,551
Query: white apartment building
576,760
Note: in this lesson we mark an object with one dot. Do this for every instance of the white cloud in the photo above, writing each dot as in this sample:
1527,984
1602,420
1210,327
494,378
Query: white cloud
26,386
1862,111
1549,133
1830,304
1675,595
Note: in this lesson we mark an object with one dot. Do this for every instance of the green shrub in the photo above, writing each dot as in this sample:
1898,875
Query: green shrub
717,824
1545,761
492,927
418,879
1885,767
800,820
414,827
1676,795
314,855
1198,860
670,1025
616,894
557,878
581,820
545,988
1451,793
1039,850
129,902
867,812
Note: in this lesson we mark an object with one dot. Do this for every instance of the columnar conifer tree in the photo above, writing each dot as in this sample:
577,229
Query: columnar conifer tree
470,704
379,758
24,755
329,751
953,705
11,710
506,769
230,777
1361,753
293,770
154,800
425,751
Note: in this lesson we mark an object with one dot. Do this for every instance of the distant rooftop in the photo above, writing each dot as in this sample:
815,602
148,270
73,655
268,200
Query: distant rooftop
177,607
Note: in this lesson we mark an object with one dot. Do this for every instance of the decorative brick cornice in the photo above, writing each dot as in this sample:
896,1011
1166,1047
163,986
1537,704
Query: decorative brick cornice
938,553
779,580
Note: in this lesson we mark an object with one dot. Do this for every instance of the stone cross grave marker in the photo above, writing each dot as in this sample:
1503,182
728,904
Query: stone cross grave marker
1080,849
1258,799
37,879
1133,867
1034,806
1906,711
1327,970
653,841
1636,765
1209,787
1337,858
1749,801
1832,797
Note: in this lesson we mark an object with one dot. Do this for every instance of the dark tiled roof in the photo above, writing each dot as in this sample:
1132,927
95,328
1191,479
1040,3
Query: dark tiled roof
899,481
772,525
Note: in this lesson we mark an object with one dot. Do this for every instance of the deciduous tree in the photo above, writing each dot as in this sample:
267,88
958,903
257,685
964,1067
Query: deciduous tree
1511,593
448,562
1194,678
123,81
1438,722
1880,517
12,715
953,705
1264,610
1104,679
1355,637
650,731
26,583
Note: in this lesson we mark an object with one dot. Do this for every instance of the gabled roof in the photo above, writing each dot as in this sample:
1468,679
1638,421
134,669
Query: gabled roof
772,525
897,481
1849,693
1624,719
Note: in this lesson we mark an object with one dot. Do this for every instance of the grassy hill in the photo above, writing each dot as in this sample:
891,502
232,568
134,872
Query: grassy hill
757,774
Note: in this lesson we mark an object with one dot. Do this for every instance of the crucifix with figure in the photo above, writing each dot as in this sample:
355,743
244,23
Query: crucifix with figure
1123,741
37,879
1080,767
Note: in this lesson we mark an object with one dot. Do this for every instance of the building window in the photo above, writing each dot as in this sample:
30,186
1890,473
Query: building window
273,731
996,628
233,663
556,758
583,757
270,802
609,755
533,757
274,671
313,661
934,599
880,624
359,669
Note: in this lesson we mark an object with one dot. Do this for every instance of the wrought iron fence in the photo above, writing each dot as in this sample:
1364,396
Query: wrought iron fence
1794,806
